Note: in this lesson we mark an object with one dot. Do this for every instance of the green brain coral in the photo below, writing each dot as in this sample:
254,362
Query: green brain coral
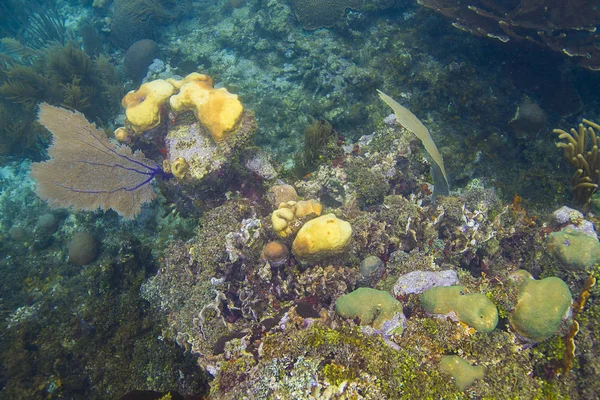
541,306
473,309
373,307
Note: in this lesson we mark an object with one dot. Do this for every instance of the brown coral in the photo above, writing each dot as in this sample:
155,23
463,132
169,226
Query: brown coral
565,27
581,150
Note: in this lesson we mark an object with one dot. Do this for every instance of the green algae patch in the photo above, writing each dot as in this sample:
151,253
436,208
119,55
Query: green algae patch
474,309
373,307
574,248
464,374
541,306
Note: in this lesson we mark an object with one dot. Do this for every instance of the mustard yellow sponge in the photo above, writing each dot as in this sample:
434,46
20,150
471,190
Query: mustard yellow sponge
217,110
322,236
143,106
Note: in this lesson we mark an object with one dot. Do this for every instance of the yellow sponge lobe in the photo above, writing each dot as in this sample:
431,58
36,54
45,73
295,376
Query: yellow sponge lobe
217,110
143,106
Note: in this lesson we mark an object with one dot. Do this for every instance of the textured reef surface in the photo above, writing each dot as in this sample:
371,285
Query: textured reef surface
208,199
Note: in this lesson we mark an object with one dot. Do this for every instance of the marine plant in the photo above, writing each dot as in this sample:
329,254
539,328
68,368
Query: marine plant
60,75
320,147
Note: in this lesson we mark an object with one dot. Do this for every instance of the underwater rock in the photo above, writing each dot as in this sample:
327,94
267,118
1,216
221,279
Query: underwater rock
321,237
376,308
464,374
541,306
257,161
83,249
419,281
571,218
473,309
574,248
371,269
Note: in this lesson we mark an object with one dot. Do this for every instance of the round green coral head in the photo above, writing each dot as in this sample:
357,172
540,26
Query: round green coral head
464,374
373,307
474,309
541,306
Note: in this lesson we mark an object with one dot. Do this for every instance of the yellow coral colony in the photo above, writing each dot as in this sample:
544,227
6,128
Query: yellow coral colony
281,219
218,110
322,236
286,219
143,106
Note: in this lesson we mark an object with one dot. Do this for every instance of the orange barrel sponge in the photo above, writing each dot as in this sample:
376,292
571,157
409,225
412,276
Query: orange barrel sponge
142,106
217,110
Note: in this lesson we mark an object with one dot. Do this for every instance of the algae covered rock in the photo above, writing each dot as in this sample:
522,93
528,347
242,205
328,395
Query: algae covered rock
376,308
321,237
574,248
474,309
464,374
420,281
541,306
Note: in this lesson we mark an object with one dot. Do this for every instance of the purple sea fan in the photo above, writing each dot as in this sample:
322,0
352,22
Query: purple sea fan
88,171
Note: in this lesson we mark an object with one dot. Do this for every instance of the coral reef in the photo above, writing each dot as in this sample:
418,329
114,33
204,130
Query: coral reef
551,24
319,14
226,287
